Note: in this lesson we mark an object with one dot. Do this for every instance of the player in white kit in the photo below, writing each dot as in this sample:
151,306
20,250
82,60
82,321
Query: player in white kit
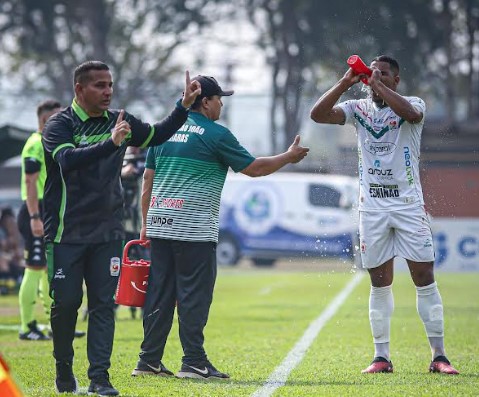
393,221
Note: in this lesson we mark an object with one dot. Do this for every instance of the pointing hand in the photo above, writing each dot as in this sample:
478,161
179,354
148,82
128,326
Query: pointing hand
121,130
192,90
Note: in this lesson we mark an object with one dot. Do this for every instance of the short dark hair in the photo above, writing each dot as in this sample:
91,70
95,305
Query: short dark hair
81,74
392,62
47,106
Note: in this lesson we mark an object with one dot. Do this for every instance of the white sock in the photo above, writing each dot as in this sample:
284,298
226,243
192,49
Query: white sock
382,350
430,309
381,307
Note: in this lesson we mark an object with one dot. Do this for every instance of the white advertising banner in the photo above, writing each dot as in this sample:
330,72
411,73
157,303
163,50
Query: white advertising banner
456,243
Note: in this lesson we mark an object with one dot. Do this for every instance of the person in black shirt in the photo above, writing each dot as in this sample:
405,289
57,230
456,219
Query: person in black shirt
84,147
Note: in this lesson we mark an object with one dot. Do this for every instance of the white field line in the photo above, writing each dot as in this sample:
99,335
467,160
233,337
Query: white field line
4,327
281,373
12,327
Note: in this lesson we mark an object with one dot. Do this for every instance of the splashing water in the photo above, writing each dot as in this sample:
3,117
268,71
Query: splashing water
367,89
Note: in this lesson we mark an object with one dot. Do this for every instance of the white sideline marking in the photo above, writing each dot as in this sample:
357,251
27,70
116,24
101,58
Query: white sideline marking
281,373
4,327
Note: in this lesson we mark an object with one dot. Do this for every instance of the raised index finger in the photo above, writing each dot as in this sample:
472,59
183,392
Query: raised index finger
120,116
188,81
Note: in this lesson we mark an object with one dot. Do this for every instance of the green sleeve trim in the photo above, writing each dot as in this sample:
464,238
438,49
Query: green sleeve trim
147,141
49,254
61,214
63,145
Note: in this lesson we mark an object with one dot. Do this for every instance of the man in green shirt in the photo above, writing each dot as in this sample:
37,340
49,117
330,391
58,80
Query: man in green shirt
30,225
182,186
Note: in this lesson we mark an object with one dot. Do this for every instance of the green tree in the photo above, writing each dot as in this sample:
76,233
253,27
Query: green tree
44,40
308,42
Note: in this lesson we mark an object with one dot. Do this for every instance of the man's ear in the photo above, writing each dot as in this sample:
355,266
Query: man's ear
78,89
43,119
204,102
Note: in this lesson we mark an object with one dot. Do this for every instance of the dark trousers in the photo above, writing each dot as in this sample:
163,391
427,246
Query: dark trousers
181,273
68,266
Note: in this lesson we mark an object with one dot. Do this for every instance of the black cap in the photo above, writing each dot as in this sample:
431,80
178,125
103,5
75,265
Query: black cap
210,87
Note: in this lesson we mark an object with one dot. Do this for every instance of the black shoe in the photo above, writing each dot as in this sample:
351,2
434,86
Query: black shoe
33,333
143,368
204,371
65,381
102,387
79,334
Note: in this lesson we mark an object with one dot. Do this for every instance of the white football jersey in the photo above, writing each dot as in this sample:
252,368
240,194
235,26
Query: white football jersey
389,150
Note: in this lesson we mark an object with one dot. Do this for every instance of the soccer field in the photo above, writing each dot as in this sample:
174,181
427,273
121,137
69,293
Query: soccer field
257,330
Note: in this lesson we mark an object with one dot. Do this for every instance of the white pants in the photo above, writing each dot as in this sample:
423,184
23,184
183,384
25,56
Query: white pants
405,233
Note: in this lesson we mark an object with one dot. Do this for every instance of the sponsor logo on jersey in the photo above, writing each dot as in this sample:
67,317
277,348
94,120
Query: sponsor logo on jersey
407,163
114,266
393,124
379,172
161,221
59,274
379,148
383,174
166,202
427,243
383,191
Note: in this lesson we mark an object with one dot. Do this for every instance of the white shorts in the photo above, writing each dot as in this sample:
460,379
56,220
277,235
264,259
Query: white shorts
405,233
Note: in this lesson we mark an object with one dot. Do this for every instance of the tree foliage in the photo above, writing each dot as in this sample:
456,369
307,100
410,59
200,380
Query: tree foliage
47,39
308,43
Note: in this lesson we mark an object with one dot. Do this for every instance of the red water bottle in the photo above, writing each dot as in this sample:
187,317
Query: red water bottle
359,67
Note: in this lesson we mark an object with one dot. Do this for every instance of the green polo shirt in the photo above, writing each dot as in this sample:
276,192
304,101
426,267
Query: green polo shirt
33,161
190,171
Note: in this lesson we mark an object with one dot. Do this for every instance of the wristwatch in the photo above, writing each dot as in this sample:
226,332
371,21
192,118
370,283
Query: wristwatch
36,215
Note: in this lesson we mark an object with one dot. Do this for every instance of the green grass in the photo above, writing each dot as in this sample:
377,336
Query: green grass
256,319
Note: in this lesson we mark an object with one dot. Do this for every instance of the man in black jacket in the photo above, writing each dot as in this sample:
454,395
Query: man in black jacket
84,149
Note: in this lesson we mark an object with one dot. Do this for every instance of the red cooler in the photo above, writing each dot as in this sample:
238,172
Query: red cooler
133,281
